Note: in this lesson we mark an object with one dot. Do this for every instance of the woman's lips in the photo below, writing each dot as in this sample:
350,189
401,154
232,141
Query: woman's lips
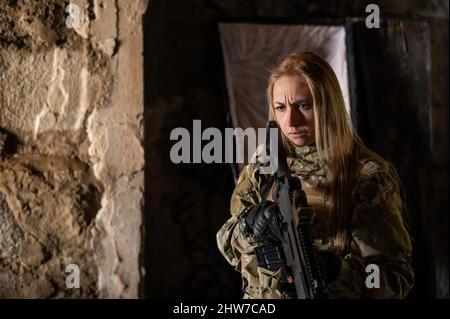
298,134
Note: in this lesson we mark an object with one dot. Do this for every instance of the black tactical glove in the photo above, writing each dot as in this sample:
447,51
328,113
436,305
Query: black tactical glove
330,265
263,222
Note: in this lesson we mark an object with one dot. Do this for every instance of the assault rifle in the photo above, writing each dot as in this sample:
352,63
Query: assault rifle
297,219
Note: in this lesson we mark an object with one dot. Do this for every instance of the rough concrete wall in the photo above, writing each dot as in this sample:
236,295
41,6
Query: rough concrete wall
71,133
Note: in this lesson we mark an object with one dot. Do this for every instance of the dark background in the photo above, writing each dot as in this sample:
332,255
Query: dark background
399,94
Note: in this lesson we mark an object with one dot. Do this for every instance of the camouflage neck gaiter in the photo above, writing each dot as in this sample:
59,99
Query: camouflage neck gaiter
307,165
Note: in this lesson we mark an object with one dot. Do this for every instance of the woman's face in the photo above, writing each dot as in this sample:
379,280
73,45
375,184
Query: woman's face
294,109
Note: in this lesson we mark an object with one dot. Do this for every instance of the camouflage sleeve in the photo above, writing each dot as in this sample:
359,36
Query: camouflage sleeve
379,236
232,244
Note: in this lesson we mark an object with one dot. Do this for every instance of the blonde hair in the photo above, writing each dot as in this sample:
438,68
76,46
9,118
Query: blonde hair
338,144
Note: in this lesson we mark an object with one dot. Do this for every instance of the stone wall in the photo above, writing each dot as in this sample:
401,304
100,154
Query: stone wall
71,169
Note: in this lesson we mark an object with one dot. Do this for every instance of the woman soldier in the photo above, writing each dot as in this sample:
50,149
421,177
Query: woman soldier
360,212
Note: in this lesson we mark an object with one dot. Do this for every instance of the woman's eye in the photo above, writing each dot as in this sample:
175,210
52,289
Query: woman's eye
303,106
279,107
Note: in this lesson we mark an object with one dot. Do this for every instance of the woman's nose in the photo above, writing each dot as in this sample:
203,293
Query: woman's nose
294,117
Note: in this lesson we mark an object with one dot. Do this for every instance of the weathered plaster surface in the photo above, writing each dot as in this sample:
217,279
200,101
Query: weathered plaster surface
71,166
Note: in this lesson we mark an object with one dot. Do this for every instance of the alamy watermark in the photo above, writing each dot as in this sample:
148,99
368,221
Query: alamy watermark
373,277
373,19
221,149
73,277
73,18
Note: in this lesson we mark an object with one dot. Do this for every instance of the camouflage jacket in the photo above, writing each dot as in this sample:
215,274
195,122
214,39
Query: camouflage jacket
379,234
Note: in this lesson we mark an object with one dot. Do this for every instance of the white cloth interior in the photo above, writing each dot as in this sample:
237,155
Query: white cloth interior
250,50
